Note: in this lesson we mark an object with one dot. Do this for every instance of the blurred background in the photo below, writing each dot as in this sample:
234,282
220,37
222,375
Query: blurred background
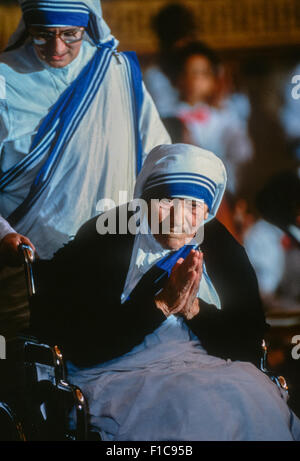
223,74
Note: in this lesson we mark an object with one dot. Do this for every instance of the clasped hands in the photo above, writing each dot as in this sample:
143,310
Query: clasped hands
179,296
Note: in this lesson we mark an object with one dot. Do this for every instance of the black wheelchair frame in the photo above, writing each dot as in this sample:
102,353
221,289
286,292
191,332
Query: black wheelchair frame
36,398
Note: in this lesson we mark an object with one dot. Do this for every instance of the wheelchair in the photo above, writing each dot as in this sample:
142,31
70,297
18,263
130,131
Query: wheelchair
35,396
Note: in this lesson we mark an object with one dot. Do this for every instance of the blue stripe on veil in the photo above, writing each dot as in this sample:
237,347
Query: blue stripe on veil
137,98
63,111
169,261
166,264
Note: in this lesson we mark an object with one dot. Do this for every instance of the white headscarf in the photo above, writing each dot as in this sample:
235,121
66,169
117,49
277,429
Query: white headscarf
184,171
97,29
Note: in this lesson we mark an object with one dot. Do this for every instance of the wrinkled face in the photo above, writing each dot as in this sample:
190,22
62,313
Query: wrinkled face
55,49
174,222
197,82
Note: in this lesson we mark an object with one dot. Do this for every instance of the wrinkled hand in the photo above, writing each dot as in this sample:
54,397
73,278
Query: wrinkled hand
179,296
9,249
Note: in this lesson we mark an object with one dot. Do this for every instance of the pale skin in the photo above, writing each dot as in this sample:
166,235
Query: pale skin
197,82
56,53
179,295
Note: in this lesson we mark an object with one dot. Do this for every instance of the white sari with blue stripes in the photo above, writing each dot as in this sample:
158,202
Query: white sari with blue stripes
90,153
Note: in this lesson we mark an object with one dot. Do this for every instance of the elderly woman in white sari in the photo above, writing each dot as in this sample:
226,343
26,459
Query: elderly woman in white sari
76,123
159,335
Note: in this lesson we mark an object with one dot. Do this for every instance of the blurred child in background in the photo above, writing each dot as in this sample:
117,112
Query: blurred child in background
214,123
173,25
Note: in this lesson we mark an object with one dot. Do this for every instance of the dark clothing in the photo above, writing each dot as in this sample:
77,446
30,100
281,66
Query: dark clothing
78,303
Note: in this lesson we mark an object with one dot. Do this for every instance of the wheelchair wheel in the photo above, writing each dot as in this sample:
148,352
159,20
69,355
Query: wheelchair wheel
11,429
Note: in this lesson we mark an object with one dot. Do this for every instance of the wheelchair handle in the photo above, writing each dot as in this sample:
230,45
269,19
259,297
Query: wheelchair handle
278,380
28,258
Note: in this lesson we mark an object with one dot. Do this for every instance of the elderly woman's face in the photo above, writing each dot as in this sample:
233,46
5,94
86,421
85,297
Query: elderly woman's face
57,46
174,222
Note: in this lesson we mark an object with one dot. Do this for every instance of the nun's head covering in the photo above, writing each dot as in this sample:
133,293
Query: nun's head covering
176,170
185,171
60,13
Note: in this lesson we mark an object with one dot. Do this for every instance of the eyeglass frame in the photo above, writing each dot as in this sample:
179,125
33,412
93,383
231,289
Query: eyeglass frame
53,35
168,202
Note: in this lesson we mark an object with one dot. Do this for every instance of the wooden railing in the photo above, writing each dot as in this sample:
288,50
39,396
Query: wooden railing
9,19
223,24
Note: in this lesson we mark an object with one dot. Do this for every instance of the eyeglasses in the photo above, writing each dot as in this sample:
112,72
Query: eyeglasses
167,203
67,36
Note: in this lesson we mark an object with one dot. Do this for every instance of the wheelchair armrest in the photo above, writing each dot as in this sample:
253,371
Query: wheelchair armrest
45,397
45,366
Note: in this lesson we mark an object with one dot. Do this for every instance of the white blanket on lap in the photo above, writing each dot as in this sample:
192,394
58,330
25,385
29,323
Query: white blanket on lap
169,388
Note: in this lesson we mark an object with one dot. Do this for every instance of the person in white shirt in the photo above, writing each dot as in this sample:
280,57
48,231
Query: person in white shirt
214,123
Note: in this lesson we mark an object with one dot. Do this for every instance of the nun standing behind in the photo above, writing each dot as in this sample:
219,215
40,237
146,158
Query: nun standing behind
159,335
76,123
